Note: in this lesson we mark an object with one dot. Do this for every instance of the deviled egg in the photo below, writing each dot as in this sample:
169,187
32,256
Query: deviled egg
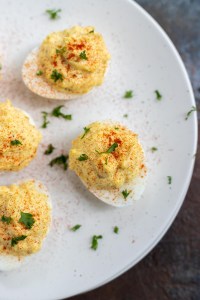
25,217
68,63
19,138
109,160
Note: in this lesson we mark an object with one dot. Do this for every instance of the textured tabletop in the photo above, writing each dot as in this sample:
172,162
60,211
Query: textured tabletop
172,270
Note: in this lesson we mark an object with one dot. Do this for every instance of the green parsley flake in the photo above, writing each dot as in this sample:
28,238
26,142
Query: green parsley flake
55,75
153,149
158,95
86,131
39,73
83,157
190,112
15,240
61,51
6,220
15,143
116,128
57,113
116,229
125,116
0,67
45,121
126,193
95,239
110,150
92,31
169,179
128,94
60,160
75,228
53,13
27,219
83,55
49,150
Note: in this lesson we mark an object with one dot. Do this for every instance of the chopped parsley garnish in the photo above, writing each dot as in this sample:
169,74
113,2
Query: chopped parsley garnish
86,131
158,95
95,239
92,31
128,94
16,239
57,113
83,157
116,230
45,121
39,73
61,50
83,55
110,150
116,128
169,178
191,111
153,149
6,220
0,66
55,75
75,228
49,150
125,116
60,160
125,193
53,13
27,219
15,143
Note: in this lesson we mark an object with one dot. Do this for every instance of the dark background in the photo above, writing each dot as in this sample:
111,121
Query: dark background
172,269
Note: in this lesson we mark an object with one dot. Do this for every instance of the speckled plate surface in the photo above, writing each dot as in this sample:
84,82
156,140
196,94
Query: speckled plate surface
143,60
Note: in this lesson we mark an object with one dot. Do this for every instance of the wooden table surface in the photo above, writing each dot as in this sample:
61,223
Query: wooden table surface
172,269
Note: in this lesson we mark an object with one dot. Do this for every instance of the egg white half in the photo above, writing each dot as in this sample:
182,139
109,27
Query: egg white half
31,122
37,84
11,262
115,197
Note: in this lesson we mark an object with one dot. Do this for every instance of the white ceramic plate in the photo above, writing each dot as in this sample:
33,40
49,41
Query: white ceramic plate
143,60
